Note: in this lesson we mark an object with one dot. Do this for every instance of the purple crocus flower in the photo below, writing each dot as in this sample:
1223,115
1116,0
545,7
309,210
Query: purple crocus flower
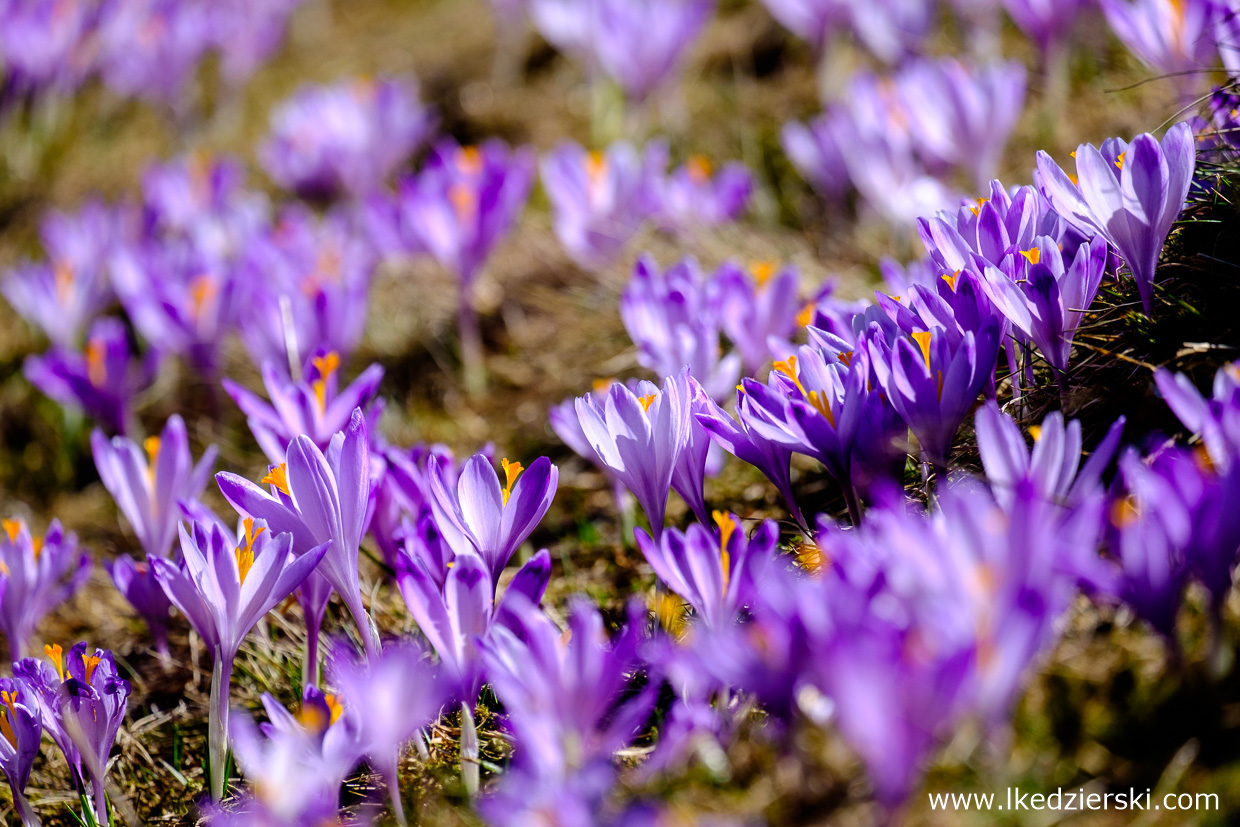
314,406
297,762
758,308
21,729
960,115
150,48
640,437
563,420
773,458
1172,37
1046,22
1216,419
149,482
136,582
480,516
102,380
345,138
672,316
811,20
1044,300
246,33
224,586
403,497
318,500
39,574
892,29
44,46
1053,466
395,694
815,151
600,200
1128,193
933,384
695,195
309,288
641,43
57,298
82,700
714,572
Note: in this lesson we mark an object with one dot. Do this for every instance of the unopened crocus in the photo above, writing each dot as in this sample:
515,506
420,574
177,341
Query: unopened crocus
318,499
1128,193
696,195
1044,297
308,283
932,384
461,206
672,316
83,700
225,585
1216,418
1171,37
713,570
21,729
39,574
315,406
136,582
395,694
758,307
640,44
601,199
348,137
640,437
102,380
482,516
961,115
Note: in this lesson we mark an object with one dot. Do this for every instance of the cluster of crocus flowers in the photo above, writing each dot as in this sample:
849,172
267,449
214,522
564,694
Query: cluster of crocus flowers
82,701
150,483
346,138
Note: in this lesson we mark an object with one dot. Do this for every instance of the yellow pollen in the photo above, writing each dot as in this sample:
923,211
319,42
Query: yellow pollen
57,656
89,663
699,168
788,368
1033,255
463,200
12,528
922,338
763,270
895,299
596,166
647,401
603,385
727,526
1072,153
512,470
670,611
951,279
846,356
469,160
807,314
151,444
1035,431
245,554
1073,179
277,475
1124,512
202,289
334,706
326,365
96,363
36,545
1119,161
977,209
7,716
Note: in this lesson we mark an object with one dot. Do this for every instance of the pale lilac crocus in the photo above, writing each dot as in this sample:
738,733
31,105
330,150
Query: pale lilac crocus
1129,193
102,380
640,437
346,138
564,422
600,199
318,499
713,570
810,20
481,516
21,729
640,44
39,573
696,195
150,48
1215,419
315,406
1173,37
395,693
225,585
1046,22
759,309
815,151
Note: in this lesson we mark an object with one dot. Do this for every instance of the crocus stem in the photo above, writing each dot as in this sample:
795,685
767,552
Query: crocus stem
390,775
364,627
24,811
221,679
469,749
310,666
101,802
850,500
472,364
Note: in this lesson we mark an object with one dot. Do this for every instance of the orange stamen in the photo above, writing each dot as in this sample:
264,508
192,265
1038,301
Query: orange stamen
727,525
699,169
512,470
245,554
469,160
763,270
12,528
57,656
647,401
922,338
951,280
277,475
96,363
463,201
806,315
1033,255
89,663
326,365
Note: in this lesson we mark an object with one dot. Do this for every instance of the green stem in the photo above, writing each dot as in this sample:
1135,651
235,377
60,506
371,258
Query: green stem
217,745
469,750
